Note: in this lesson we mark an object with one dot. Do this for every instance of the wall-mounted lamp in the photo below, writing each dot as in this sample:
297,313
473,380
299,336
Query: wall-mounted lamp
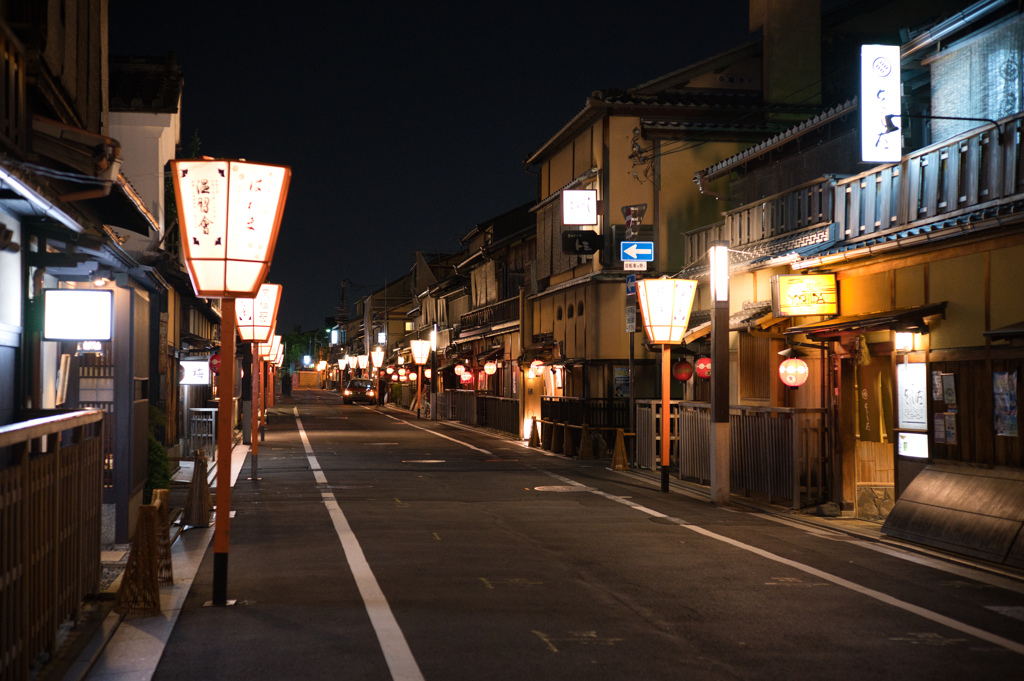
904,341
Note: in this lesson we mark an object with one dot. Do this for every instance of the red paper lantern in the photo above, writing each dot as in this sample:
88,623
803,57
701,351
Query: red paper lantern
682,370
466,377
704,367
215,364
793,372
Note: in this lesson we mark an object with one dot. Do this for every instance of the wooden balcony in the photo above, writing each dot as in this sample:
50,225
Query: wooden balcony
13,111
485,317
974,171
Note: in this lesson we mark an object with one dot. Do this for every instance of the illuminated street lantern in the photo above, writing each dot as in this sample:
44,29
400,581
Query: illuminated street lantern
363,361
466,377
377,356
411,375
793,372
390,370
229,213
490,368
420,353
682,370
257,316
665,305
459,369
427,373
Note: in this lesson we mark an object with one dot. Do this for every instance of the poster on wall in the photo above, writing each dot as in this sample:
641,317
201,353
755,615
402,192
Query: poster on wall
1004,390
912,391
950,428
936,385
949,389
621,382
940,428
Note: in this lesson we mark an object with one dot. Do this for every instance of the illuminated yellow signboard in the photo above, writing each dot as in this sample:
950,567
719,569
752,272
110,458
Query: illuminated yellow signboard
808,294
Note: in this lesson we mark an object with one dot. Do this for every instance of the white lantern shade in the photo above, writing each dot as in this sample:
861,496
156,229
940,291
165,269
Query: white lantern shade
377,356
342,364
230,213
665,305
363,361
269,350
420,351
257,316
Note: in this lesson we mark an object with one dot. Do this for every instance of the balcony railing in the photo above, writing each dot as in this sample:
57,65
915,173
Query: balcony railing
51,500
958,176
505,311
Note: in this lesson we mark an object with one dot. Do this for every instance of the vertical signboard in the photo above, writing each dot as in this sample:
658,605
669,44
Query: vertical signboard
880,91
912,386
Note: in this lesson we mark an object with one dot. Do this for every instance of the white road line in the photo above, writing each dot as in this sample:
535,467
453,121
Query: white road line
839,581
396,650
432,432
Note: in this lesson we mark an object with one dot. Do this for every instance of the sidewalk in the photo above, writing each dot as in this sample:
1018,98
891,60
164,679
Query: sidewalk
129,648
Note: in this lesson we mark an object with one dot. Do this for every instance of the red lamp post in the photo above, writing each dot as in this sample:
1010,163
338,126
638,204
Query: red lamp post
230,213
665,305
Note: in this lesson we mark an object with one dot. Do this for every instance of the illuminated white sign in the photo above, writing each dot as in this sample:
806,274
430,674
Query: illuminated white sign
912,384
195,372
880,91
914,445
579,207
78,314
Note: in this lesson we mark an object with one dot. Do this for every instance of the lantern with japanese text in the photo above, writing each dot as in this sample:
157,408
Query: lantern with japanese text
257,316
703,368
229,213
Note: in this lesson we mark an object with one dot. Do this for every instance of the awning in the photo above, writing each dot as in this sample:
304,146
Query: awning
493,353
901,319
542,351
1013,333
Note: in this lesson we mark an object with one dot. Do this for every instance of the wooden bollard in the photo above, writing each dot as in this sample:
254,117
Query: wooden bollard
619,462
557,439
165,571
139,593
586,446
568,445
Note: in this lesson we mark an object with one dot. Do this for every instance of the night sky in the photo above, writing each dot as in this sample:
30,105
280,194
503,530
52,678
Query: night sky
404,128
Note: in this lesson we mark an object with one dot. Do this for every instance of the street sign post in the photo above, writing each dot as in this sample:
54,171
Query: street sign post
636,254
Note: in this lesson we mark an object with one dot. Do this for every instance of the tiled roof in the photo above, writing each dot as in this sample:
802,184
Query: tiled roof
832,114
783,248
146,84
940,229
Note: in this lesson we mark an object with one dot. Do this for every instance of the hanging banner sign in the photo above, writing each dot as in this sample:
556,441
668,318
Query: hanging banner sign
797,295
880,140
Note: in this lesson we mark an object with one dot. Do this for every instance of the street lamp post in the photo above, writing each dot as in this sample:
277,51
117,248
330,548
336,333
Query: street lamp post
719,258
420,351
665,305
229,214
257,318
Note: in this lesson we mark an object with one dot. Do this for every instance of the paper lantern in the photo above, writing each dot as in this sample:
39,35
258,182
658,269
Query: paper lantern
466,377
703,368
682,370
460,370
490,368
793,372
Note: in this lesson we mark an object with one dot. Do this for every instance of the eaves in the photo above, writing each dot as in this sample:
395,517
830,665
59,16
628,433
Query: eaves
595,277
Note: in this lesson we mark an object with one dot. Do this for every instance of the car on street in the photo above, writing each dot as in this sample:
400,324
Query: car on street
359,390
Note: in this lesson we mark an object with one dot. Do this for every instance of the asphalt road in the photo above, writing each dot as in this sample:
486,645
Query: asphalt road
377,546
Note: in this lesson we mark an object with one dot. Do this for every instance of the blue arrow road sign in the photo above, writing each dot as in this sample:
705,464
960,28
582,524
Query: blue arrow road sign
630,284
637,251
